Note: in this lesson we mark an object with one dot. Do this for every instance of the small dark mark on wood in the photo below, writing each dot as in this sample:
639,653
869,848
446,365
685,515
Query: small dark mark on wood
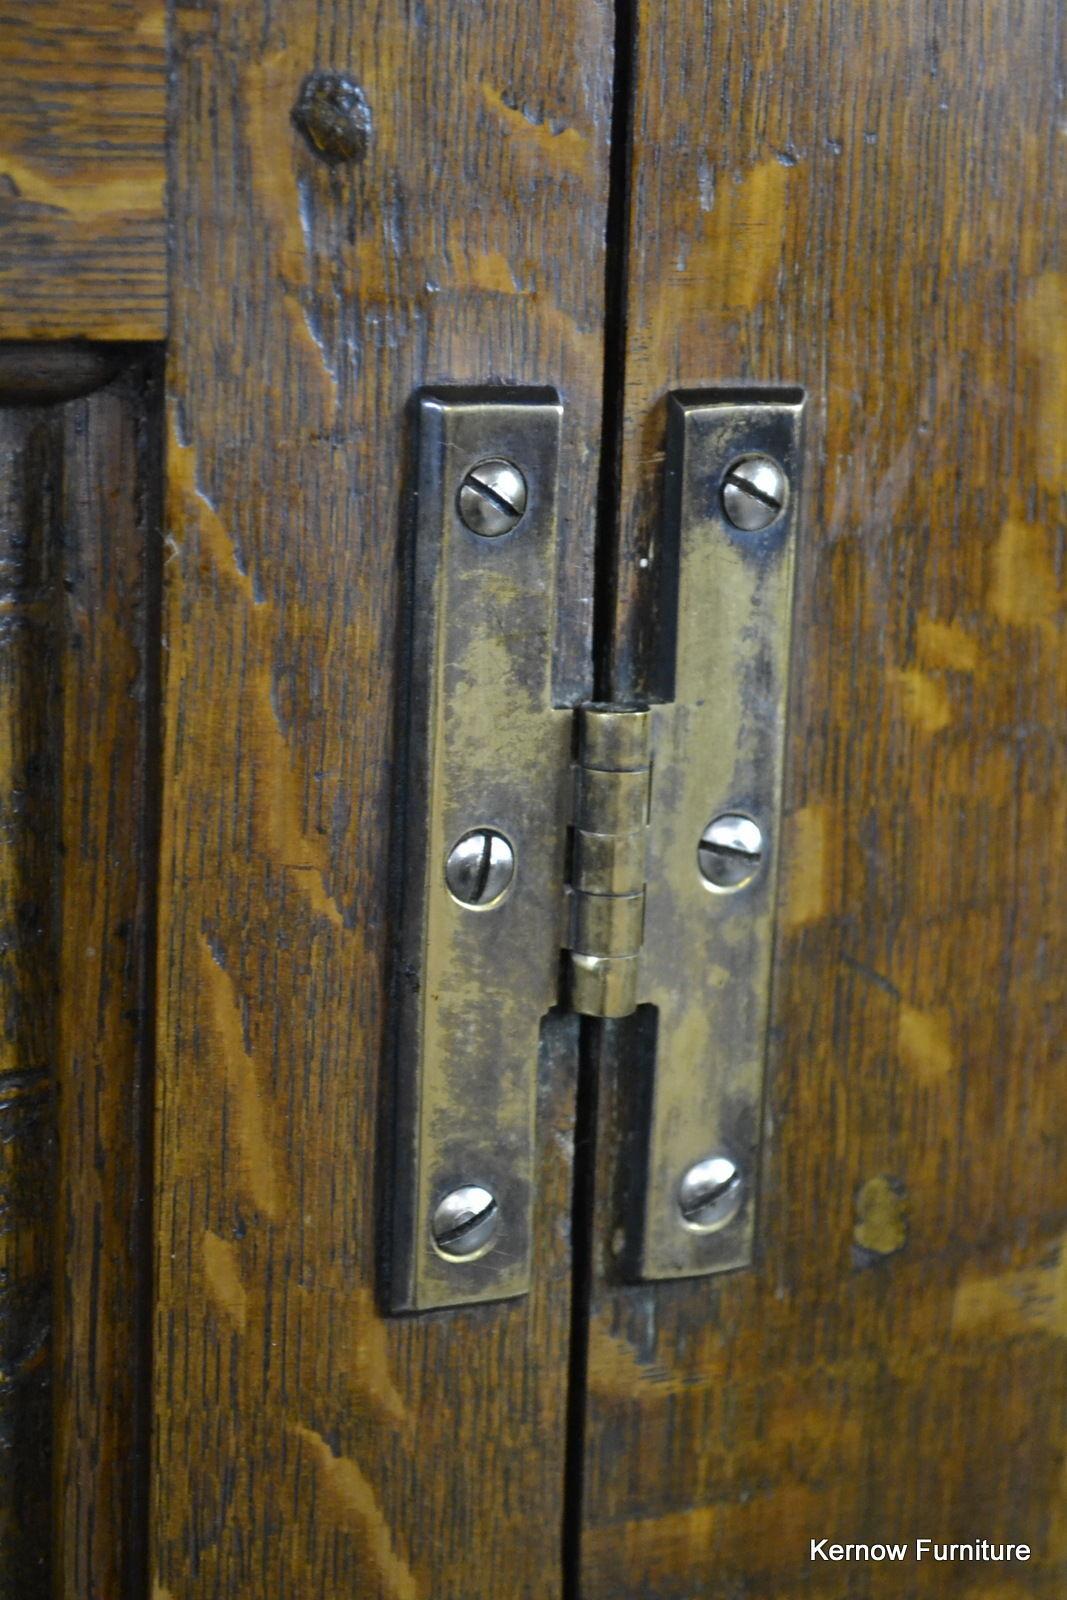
879,979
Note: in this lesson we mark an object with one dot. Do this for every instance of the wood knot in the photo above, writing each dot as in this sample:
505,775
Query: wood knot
332,113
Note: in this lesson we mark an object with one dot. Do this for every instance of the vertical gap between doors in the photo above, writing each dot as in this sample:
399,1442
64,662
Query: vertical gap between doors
604,566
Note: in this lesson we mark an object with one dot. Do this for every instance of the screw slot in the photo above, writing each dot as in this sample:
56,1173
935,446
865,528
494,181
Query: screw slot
710,1194
754,493
730,852
479,868
492,498
465,1223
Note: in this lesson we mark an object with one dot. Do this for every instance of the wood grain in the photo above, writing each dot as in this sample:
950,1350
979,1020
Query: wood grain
28,979
109,616
82,165
868,200
76,631
304,1443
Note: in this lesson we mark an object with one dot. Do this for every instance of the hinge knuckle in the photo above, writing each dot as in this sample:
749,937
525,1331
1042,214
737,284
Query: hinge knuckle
604,986
608,890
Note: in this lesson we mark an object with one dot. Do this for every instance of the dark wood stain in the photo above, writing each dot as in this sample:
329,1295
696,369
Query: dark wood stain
77,632
869,201
305,1443
863,200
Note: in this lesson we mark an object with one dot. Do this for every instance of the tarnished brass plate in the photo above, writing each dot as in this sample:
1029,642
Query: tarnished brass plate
488,750
706,959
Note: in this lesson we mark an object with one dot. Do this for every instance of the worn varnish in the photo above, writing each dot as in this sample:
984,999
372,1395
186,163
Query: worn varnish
82,164
305,1443
77,632
869,201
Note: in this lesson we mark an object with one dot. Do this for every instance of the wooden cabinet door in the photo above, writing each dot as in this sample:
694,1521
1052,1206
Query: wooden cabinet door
362,201
867,201
237,237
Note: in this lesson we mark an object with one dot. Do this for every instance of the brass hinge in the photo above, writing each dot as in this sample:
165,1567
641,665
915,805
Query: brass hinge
606,896
653,828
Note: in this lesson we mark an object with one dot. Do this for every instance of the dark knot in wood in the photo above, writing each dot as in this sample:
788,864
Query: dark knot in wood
333,115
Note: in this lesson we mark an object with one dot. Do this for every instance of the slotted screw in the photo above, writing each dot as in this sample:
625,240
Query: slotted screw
465,1221
480,867
730,852
710,1193
754,493
492,498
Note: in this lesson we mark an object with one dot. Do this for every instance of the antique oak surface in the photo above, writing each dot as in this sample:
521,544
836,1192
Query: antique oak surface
304,1443
869,201
82,164
204,570
78,641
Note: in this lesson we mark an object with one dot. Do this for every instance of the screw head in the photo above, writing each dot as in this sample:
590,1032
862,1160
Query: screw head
480,867
710,1193
492,498
730,852
465,1222
754,493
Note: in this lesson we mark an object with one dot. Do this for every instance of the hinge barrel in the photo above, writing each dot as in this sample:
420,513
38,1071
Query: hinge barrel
607,893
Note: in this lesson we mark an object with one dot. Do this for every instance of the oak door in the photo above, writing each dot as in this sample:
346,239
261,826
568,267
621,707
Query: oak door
335,207
867,201
236,240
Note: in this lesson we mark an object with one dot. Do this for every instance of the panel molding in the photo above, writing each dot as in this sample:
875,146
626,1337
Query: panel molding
78,642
